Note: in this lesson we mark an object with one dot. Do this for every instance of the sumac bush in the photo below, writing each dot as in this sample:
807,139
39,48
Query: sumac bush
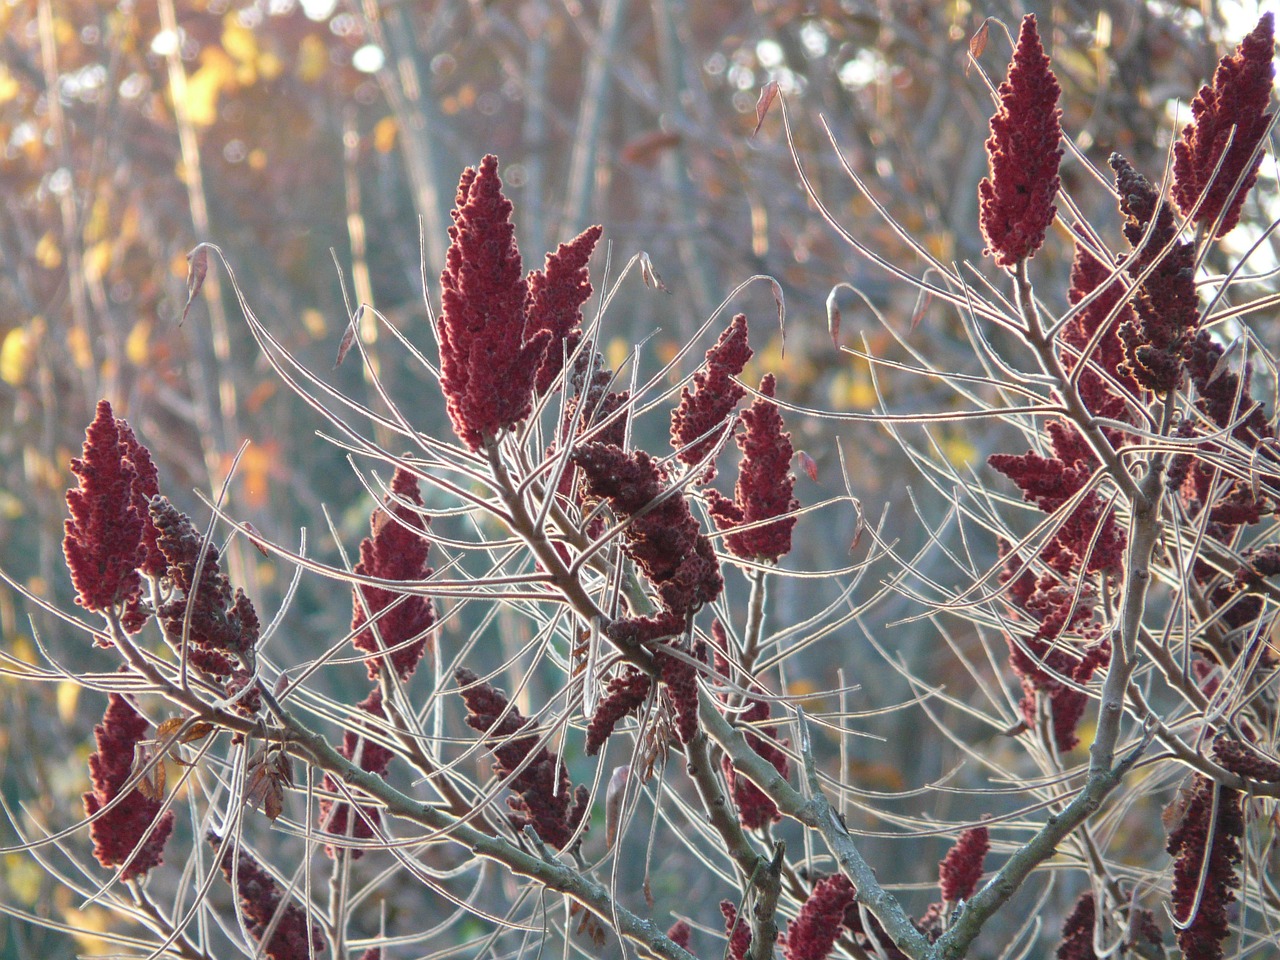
565,716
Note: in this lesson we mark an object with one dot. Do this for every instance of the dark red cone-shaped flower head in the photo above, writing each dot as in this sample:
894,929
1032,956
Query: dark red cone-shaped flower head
397,550
1077,931
680,933
1088,273
737,929
146,484
1239,98
1246,760
1211,827
223,626
1016,201
1064,645
961,869
664,539
104,544
487,360
556,295
755,809
680,679
624,695
710,400
544,797
335,815
812,934
1166,302
1052,482
260,900
764,485
116,832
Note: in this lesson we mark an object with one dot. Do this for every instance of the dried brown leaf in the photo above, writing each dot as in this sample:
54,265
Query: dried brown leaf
780,300
253,538
197,269
1173,813
147,789
284,768
857,534
152,784
649,275
269,772
978,43
197,731
273,802
166,728
808,465
1223,363
833,317
348,338
768,93
615,793
923,301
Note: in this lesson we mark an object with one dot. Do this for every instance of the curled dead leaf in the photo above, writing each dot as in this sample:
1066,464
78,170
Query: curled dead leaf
833,316
978,43
197,270
768,93
923,300
254,536
269,772
1224,362
780,300
196,731
614,794
649,275
348,337
151,784
808,465
166,728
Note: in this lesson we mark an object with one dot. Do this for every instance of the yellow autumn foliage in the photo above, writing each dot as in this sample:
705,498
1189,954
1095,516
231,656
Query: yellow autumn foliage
384,134
67,697
17,356
137,346
217,72
48,253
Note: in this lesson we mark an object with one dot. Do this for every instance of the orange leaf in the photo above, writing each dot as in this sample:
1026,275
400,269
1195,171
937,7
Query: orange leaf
258,466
